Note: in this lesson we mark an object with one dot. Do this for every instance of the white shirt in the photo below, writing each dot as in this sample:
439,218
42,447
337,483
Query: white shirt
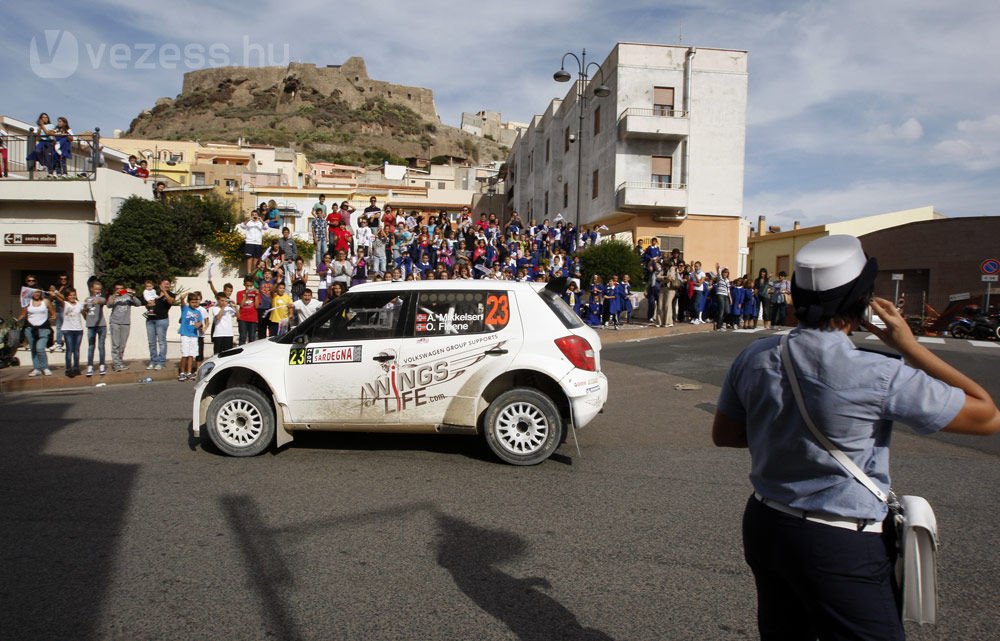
303,311
254,230
364,237
72,316
223,326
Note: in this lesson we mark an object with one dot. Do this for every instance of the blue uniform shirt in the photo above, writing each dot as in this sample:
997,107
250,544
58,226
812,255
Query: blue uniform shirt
853,397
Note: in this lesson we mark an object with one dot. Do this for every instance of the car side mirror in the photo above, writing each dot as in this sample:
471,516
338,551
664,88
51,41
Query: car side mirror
301,339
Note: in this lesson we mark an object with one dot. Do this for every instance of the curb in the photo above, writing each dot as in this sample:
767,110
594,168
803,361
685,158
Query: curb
16,379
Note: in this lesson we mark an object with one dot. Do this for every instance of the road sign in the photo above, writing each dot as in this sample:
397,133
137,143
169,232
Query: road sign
897,277
29,239
990,266
991,278
957,297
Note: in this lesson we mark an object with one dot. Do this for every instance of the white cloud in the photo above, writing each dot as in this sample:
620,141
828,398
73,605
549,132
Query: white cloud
977,145
909,131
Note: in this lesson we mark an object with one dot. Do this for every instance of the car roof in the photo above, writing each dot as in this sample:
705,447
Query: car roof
482,284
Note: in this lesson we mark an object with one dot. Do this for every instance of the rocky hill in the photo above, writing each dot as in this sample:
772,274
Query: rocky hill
334,113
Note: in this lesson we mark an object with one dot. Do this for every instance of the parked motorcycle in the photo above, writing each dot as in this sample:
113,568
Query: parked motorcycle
976,325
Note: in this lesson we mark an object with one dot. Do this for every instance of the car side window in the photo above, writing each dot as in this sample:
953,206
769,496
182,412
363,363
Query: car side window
363,316
457,313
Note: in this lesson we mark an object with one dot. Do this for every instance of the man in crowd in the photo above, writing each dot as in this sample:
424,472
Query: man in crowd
157,321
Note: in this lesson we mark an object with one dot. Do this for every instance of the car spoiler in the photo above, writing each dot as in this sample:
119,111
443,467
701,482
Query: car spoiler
557,285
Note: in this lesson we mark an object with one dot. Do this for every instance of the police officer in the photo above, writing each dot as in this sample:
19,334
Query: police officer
812,535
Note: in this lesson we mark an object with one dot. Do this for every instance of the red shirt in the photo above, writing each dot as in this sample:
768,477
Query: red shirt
342,239
334,219
247,301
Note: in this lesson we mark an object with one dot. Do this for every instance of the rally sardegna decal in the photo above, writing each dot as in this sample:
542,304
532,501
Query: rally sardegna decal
324,355
411,384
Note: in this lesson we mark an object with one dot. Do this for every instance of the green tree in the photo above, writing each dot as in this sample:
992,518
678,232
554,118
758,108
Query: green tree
153,240
611,257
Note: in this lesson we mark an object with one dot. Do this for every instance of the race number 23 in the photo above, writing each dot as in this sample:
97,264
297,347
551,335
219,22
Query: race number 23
498,310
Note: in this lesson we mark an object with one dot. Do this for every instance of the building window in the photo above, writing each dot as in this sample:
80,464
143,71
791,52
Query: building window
427,184
597,121
662,171
594,190
197,178
547,141
565,195
546,204
531,162
441,186
782,264
670,243
566,141
663,101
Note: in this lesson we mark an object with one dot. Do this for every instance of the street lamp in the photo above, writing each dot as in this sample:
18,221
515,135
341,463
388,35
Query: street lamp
601,91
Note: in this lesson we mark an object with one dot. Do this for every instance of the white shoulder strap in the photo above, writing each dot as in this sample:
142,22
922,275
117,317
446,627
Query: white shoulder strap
843,459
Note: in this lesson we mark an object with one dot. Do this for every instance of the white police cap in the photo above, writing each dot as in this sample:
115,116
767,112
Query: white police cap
828,263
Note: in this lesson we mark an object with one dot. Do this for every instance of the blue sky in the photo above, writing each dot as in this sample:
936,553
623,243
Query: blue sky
856,107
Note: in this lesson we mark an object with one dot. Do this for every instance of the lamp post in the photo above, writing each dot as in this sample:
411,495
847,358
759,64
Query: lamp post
601,91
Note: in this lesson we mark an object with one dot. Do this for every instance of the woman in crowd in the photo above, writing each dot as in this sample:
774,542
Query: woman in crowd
40,315
62,149
762,287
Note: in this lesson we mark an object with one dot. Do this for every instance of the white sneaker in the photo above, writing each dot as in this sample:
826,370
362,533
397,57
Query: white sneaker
47,371
104,370
158,367
34,372
90,370
150,366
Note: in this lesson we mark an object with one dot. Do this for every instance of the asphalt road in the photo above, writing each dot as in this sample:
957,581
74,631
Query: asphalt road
116,526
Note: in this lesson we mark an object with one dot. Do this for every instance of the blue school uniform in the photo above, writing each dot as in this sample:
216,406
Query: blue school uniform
611,305
594,313
739,297
749,303
573,300
624,293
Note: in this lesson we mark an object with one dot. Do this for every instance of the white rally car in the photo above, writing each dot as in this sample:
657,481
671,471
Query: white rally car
510,361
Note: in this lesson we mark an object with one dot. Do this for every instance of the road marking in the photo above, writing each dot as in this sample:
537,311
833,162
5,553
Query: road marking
783,332
983,344
871,337
748,331
929,340
638,340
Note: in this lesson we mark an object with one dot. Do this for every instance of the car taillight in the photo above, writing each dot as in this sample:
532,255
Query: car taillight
578,350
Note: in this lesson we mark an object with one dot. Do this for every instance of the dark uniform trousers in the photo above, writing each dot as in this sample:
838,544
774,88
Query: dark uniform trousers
816,581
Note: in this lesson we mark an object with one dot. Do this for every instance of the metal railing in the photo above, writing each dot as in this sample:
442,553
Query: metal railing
33,157
650,185
659,112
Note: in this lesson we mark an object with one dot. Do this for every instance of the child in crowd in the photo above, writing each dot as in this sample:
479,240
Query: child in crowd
572,297
72,329
611,305
263,309
624,293
222,324
121,302
593,317
749,304
191,324
148,295
360,267
281,304
247,319
97,326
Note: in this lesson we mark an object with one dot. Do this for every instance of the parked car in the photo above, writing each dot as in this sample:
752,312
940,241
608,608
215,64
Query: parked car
510,361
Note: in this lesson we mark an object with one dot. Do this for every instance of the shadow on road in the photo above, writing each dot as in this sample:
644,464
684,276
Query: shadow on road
471,554
60,523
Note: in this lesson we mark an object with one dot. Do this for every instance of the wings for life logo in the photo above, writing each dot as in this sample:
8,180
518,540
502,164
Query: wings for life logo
54,54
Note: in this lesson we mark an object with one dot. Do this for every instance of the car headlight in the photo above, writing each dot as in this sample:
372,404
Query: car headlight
205,369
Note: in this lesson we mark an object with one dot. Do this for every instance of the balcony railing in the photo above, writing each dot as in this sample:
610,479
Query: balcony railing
657,123
32,158
658,112
667,198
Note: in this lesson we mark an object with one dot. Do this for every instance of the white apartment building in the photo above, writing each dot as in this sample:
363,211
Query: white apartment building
662,153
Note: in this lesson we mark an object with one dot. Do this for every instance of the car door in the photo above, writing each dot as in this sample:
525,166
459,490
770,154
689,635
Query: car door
460,341
342,372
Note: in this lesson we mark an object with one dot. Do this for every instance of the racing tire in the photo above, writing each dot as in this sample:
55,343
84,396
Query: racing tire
959,332
240,421
522,426
996,332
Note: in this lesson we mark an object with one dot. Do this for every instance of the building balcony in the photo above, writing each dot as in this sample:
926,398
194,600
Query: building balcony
653,124
661,199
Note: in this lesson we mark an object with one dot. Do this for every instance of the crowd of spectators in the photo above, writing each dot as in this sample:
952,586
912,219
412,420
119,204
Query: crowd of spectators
682,291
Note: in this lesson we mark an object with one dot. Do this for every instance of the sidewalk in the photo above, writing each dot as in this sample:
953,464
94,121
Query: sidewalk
16,379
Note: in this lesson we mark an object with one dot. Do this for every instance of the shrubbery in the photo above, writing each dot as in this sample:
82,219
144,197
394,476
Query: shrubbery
153,240
611,257
229,245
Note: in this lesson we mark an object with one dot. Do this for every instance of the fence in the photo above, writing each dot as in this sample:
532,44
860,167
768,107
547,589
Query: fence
35,157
